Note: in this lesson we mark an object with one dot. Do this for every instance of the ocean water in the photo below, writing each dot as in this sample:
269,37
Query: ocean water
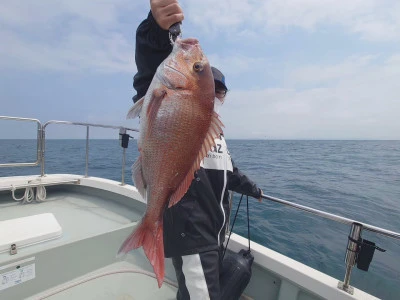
355,179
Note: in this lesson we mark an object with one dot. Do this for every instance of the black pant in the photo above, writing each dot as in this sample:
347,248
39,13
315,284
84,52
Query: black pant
198,275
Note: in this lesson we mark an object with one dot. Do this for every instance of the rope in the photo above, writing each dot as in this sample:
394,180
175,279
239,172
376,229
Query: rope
29,194
233,224
93,277
41,193
26,198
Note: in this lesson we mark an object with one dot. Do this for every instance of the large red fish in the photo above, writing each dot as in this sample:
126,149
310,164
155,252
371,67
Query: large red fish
177,129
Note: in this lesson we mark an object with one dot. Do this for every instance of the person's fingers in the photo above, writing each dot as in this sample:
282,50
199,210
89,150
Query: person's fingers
171,9
166,12
161,3
168,21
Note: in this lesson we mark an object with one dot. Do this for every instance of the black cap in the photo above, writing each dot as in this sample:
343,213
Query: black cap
218,76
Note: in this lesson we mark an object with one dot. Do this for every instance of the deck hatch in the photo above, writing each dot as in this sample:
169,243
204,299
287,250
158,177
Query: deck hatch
27,231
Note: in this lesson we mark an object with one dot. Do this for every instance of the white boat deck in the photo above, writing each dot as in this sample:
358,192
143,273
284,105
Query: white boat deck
80,214
96,216
121,280
94,224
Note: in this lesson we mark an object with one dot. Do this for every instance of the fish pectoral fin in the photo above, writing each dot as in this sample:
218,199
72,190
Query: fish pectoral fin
154,104
137,177
135,109
213,132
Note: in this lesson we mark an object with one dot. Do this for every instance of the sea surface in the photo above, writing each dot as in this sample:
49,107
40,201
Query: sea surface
354,179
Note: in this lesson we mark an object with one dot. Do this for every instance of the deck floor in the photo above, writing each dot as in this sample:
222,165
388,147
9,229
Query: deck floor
121,281
80,215
94,223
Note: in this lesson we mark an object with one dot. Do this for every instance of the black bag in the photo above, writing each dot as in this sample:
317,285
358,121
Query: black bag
236,272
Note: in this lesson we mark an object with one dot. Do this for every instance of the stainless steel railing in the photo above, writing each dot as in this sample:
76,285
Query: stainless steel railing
41,143
38,138
354,235
87,125
333,217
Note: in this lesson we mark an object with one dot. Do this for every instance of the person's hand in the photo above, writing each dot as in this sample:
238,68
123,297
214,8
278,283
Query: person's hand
166,12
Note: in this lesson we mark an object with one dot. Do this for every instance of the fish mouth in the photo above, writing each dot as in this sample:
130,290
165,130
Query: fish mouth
188,43
168,66
167,82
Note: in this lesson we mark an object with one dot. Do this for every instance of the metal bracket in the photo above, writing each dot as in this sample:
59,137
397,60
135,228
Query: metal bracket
13,249
349,289
174,32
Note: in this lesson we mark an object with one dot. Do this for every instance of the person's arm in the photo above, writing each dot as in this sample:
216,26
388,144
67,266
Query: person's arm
152,42
152,47
240,183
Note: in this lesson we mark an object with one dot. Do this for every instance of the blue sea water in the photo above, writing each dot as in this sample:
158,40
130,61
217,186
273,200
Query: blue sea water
355,179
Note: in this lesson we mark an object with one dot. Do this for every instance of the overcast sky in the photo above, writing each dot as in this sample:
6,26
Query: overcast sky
296,69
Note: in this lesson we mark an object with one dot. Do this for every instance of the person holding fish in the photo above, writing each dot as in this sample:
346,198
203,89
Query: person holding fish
184,170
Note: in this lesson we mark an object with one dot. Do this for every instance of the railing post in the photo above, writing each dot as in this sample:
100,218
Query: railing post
351,256
87,152
124,140
42,150
39,144
123,167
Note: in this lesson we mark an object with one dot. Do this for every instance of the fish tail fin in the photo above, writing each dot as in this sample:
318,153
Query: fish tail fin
133,241
151,239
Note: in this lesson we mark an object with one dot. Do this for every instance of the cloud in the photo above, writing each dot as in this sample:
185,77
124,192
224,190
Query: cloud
93,35
22,14
373,20
78,51
66,36
236,64
363,103
330,74
288,77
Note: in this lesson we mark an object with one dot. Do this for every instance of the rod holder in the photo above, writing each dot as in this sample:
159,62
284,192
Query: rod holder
351,256
124,141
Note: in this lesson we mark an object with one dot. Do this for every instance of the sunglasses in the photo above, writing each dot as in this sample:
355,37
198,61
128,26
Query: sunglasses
221,92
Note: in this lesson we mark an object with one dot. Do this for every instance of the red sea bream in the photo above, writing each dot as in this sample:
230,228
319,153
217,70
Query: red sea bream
177,129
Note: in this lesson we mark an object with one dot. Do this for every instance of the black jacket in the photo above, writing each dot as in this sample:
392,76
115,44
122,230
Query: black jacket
197,222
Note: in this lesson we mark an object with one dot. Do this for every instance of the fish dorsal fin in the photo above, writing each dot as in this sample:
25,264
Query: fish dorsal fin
213,132
137,177
135,109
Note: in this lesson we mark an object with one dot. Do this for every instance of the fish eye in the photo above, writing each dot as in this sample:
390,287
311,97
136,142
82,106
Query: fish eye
198,67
